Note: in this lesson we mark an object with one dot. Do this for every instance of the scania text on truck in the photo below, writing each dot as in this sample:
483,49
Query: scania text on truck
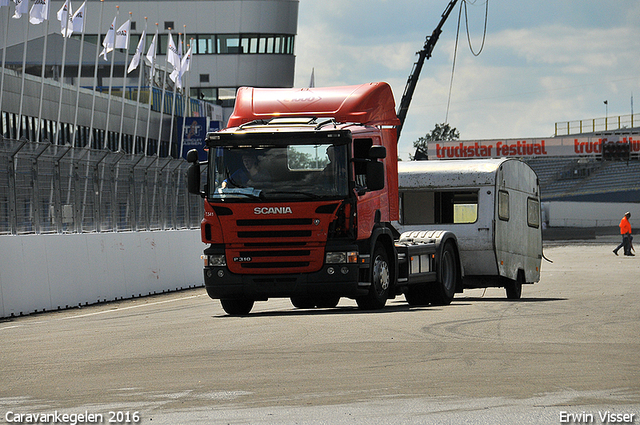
301,191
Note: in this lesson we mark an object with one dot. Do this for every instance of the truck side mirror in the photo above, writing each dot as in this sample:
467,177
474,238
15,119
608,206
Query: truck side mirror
193,172
192,156
377,152
375,175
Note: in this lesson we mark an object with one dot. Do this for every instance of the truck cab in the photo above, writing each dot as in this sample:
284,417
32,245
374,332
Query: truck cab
300,190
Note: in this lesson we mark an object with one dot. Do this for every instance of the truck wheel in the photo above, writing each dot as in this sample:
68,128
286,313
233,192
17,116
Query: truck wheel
327,301
445,287
514,287
418,295
380,280
303,302
236,306
322,301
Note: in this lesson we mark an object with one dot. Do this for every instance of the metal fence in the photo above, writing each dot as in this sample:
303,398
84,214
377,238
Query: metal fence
614,123
46,188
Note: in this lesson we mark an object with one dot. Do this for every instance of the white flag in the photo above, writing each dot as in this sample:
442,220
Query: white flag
135,61
184,66
107,43
151,53
64,15
77,20
39,11
122,35
186,62
22,6
172,54
176,75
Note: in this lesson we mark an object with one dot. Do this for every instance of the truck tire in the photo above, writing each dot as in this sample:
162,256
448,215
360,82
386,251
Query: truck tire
303,302
418,295
445,287
514,287
380,273
327,301
236,306
320,301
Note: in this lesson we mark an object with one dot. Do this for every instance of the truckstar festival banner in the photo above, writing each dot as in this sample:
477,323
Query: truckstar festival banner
554,146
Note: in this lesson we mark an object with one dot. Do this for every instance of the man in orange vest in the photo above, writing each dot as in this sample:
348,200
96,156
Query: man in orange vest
625,231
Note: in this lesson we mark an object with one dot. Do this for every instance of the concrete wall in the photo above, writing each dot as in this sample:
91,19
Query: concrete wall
589,214
50,272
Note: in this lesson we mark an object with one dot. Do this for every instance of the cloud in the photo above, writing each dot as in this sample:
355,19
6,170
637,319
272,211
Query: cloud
543,62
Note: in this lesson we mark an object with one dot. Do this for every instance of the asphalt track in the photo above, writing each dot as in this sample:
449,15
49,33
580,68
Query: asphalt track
569,347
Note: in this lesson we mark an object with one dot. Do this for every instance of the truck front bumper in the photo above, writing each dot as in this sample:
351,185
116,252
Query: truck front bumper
338,280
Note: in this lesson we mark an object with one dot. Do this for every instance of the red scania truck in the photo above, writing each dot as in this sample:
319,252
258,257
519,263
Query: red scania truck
301,190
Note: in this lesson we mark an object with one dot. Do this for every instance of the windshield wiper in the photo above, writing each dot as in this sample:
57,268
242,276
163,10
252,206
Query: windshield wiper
234,191
292,192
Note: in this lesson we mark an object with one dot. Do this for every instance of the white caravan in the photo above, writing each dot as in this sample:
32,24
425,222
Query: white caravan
493,208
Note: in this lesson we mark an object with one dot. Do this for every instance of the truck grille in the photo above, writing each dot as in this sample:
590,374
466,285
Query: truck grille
275,222
275,234
275,265
276,245
255,254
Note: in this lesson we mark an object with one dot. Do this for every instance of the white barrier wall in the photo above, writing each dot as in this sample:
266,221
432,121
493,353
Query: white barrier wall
50,272
589,214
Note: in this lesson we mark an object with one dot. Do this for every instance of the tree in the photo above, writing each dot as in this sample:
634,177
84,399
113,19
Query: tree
441,132
297,159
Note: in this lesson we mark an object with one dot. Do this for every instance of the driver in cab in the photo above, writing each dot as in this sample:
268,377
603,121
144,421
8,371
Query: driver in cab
249,173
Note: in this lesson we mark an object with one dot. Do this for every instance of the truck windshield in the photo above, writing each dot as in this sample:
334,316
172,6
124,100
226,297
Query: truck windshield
280,172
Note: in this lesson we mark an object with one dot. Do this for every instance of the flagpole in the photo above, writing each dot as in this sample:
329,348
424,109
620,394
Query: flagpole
95,78
24,65
174,101
113,56
4,58
75,117
140,72
124,83
187,104
151,80
44,60
184,96
64,57
164,90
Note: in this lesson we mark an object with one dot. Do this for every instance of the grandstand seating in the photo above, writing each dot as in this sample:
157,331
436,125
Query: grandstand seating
562,178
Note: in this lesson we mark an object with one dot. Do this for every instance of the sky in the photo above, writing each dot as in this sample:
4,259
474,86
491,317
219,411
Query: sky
543,61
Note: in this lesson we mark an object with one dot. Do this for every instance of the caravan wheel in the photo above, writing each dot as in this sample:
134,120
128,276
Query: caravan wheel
514,287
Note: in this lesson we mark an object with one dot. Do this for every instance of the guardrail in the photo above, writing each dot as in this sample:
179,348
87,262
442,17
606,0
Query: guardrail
593,125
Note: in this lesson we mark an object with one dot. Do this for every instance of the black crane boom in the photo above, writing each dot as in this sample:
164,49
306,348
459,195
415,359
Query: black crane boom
423,54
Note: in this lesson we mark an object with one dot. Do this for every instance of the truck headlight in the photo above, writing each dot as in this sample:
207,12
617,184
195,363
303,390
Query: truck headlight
214,260
341,257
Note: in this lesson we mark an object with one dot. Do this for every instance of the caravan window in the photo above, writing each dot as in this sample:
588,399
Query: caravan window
533,212
445,207
503,205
